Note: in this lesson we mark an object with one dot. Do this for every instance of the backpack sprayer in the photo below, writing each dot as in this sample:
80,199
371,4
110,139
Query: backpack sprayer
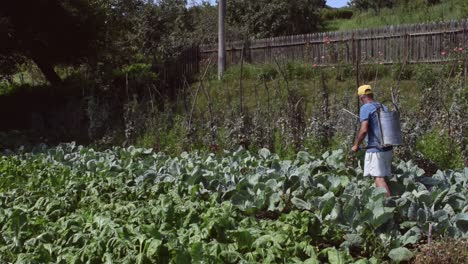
389,126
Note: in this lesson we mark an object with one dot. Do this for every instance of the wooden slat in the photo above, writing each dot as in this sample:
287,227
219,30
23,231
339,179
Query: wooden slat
391,44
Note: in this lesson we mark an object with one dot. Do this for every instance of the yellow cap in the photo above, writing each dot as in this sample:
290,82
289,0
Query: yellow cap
364,89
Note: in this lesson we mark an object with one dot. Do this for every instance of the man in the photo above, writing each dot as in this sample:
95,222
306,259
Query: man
378,160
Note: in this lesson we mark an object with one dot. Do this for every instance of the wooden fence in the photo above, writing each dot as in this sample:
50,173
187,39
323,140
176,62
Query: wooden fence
418,43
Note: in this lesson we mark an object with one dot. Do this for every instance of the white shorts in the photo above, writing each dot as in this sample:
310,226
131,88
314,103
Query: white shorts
378,164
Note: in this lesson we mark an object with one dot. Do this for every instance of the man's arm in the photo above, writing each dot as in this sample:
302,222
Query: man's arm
361,135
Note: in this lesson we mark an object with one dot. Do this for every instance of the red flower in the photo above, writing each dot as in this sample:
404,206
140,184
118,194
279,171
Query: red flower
327,40
442,53
460,49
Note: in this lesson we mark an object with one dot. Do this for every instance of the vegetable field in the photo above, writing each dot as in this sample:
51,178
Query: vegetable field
72,204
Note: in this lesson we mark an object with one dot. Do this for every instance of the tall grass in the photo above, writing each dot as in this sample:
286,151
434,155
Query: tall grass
414,12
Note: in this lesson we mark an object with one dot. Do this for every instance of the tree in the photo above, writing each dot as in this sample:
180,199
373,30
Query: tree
205,20
376,5
166,29
48,32
269,18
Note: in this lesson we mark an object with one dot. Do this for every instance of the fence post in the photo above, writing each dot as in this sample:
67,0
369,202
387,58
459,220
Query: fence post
353,47
399,41
465,47
247,50
406,55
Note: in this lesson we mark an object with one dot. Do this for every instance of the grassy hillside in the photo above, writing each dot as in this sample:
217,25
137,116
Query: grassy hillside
414,12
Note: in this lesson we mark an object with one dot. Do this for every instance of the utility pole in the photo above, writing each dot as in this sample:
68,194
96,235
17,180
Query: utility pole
221,38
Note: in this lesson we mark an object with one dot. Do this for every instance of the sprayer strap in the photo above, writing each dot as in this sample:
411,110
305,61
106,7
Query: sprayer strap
380,124
378,107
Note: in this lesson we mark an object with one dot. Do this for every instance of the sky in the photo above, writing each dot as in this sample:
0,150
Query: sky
337,3
332,3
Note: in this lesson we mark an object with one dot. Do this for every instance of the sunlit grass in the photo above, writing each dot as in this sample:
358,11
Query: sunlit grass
449,10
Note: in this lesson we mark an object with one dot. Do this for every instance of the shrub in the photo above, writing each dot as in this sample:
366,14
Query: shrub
426,76
147,140
416,4
370,71
140,71
5,88
297,70
283,150
330,14
405,73
268,71
344,72
438,147
454,68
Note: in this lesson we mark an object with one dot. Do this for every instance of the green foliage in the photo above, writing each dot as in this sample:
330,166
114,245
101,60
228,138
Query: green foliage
284,150
426,76
400,254
463,5
371,72
266,18
73,204
455,69
376,5
66,36
6,88
205,18
331,13
415,4
300,71
292,70
249,71
173,139
100,35
316,145
9,63
165,133
403,13
268,72
138,73
344,72
148,139
441,149
403,71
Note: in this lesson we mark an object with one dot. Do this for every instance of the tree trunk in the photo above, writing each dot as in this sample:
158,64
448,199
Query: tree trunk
48,70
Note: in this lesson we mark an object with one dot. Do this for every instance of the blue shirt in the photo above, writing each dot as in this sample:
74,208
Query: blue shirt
369,113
